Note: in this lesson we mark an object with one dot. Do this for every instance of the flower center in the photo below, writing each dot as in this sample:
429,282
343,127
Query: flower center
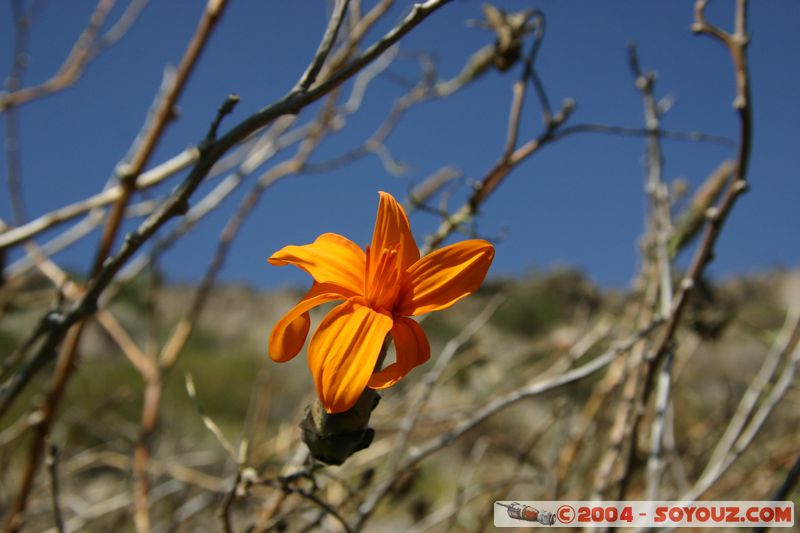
382,279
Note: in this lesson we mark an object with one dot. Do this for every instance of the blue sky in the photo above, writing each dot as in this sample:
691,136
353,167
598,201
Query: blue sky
579,202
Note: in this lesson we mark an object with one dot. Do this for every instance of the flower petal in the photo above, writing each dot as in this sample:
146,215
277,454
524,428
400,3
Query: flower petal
343,353
443,277
329,259
289,334
392,229
412,349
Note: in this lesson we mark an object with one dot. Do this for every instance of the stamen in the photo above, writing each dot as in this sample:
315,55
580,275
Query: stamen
382,282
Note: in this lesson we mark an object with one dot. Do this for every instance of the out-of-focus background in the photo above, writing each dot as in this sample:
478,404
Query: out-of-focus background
73,140
620,347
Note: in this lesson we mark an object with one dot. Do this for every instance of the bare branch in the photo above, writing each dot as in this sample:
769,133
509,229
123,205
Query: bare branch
52,469
146,180
740,429
419,453
72,68
716,216
328,39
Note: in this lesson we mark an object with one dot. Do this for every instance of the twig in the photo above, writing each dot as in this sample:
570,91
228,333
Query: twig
788,483
15,384
52,469
284,485
184,328
142,451
619,435
177,204
154,129
524,456
114,503
121,26
483,491
224,110
581,347
670,448
146,180
18,428
326,44
171,468
72,68
659,236
510,159
207,421
655,460
538,38
465,479
692,219
161,116
57,244
747,420
527,391
243,475
375,143
625,131
274,140
311,136
495,406
429,186
277,138
737,45
12,140
430,379
227,503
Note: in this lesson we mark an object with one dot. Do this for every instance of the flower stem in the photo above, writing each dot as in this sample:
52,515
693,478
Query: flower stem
332,438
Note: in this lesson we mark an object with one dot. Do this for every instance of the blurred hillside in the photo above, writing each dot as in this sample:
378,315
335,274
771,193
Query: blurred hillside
517,453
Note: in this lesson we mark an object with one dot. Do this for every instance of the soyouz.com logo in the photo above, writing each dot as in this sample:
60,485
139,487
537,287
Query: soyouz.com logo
644,514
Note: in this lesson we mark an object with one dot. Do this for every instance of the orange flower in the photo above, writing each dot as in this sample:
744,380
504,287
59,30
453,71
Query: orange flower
381,289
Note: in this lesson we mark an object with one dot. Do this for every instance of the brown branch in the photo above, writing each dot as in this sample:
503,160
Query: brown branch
284,485
72,68
429,186
66,362
512,155
792,477
434,444
227,503
375,143
12,140
659,234
325,46
496,176
163,114
121,26
172,468
630,378
749,415
625,131
174,345
211,151
13,386
736,44
52,470
146,180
